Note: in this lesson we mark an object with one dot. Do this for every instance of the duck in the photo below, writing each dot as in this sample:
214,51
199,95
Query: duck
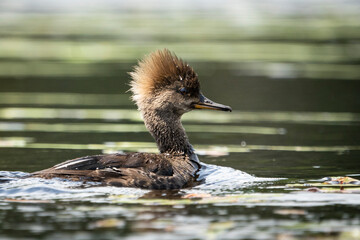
164,87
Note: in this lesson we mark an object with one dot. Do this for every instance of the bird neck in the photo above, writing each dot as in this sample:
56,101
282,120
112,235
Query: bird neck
168,132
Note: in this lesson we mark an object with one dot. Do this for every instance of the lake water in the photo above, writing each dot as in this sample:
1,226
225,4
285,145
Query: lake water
291,77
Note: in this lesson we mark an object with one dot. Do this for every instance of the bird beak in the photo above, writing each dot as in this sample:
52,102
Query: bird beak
206,103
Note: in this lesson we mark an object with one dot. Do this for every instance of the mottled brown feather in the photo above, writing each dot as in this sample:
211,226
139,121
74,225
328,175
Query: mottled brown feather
141,170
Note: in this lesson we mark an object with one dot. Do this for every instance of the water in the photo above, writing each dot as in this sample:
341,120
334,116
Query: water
291,77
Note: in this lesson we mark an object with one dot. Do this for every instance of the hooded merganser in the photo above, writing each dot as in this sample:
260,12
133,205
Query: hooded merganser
164,88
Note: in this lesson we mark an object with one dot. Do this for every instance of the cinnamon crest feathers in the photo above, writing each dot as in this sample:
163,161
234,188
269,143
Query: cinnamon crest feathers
158,70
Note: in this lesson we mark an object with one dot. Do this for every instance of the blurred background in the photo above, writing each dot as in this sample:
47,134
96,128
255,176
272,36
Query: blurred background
290,69
300,55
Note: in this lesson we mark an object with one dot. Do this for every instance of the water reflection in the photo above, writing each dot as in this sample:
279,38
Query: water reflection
61,99
289,71
196,116
101,127
201,149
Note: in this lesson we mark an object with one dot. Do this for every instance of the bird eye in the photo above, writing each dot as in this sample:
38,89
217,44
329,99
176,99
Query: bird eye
183,91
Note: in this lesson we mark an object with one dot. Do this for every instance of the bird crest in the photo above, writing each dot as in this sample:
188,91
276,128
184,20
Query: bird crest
158,70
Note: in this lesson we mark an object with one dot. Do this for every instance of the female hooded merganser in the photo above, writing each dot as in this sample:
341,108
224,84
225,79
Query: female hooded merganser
164,88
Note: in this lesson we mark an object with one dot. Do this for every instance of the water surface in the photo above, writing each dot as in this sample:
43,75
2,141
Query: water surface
292,79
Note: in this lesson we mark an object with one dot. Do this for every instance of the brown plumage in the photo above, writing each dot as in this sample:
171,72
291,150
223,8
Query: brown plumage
158,70
164,88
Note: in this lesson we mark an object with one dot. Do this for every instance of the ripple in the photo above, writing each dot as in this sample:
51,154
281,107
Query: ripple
220,178
222,185
18,186
198,117
217,180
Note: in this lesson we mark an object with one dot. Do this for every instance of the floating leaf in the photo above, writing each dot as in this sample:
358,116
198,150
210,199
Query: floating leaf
334,190
27,200
341,182
306,185
109,223
290,212
197,195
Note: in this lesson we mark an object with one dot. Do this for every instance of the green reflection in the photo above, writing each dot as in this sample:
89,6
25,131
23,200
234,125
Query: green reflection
104,127
64,99
15,141
95,51
284,45
194,116
307,70
202,149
